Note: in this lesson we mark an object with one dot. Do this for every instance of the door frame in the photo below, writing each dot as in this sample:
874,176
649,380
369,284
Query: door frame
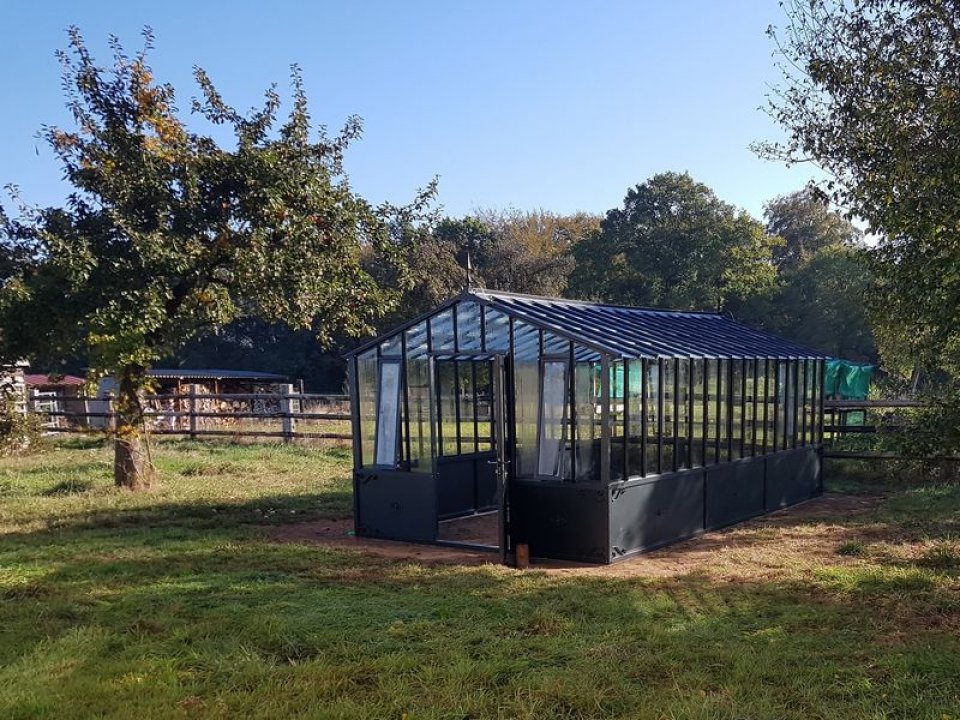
501,437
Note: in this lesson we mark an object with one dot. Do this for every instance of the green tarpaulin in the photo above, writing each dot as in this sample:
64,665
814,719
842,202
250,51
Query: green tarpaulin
847,380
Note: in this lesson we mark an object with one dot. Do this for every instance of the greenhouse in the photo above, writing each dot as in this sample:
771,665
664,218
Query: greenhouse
582,431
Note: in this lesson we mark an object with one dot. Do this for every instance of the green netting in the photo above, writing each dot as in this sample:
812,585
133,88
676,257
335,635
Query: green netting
847,380
616,381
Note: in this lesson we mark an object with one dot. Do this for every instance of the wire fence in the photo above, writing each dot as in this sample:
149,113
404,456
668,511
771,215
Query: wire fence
197,414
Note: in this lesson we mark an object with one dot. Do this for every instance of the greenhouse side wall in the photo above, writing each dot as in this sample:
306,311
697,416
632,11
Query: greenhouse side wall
648,513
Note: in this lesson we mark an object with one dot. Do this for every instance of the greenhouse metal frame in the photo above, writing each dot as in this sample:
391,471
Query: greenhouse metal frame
588,432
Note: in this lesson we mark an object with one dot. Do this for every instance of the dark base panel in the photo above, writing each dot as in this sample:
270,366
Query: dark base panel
655,512
792,476
648,514
734,493
395,505
561,521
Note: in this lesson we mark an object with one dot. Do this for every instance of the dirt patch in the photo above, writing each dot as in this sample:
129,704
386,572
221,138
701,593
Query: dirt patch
793,538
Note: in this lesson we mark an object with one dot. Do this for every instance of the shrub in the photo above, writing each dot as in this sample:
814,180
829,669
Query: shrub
20,433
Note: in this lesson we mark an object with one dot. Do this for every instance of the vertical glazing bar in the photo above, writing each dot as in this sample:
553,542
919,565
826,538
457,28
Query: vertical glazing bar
605,419
643,417
776,402
676,414
705,420
626,419
511,396
729,401
660,416
690,406
572,391
483,329
804,384
716,441
795,377
743,407
406,397
476,405
766,403
353,370
456,405
456,332
821,392
754,398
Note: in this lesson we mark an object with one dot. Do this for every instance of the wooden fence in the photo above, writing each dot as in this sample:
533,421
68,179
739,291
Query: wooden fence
871,417
285,414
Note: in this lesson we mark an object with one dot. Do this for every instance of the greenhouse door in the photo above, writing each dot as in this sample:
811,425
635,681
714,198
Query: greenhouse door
471,463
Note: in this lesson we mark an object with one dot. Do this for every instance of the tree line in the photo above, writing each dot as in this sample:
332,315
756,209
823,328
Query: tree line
801,271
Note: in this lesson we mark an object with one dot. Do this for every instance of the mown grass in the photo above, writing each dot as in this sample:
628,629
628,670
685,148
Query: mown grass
180,602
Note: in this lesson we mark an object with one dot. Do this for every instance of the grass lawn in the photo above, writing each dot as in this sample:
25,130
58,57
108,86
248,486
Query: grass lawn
183,602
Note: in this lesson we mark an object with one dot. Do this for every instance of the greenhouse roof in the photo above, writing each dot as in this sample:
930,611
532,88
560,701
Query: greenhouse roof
629,332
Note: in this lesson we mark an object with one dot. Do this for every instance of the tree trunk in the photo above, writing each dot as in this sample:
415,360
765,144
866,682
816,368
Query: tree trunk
132,468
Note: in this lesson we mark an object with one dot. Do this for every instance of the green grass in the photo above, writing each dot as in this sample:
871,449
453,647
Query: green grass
177,603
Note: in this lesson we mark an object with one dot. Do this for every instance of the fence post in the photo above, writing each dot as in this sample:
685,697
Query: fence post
192,417
286,408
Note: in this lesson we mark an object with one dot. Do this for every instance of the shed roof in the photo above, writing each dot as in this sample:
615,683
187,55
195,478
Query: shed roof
42,380
630,332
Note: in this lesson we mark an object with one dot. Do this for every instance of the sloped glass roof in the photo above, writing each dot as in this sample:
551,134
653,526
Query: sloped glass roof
629,332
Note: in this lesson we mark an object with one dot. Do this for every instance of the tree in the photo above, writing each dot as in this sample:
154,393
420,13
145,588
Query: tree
820,304
675,244
806,224
823,276
871,93
528,252
168,233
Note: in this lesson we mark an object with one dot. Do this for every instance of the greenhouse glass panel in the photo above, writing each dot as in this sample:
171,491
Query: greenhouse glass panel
634,402
497,334
587,426
367,364
682,413
736,409
652,381
441,331
553,418
388,415
468,326
698,414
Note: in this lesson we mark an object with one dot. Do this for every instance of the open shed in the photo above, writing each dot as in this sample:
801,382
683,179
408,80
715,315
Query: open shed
585,431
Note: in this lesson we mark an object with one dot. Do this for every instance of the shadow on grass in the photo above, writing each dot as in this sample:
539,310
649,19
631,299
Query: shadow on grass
193,515
478,641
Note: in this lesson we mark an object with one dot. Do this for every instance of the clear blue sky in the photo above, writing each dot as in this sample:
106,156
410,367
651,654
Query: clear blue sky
553,104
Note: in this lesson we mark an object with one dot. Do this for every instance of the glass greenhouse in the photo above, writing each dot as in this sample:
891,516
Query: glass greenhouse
584,431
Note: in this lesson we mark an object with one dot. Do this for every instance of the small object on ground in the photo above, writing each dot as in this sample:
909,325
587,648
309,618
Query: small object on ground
523,556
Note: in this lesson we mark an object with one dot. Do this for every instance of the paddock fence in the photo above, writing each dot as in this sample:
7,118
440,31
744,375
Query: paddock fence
864,418
197,414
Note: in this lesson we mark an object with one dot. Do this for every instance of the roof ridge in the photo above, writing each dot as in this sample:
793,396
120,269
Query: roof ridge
591,303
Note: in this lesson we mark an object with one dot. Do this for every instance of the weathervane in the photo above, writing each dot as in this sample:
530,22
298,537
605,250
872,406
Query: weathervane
469,271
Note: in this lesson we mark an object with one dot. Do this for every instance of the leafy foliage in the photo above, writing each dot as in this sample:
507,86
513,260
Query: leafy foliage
168,233
675,244
871,92
21,433
824,277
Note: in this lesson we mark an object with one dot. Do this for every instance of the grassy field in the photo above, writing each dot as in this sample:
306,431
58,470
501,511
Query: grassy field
184,602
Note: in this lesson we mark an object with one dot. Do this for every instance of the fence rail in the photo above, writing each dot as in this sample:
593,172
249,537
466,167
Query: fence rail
286,414
837,423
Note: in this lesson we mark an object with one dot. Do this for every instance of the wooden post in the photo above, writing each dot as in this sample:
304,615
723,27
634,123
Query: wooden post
192,418
287,406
